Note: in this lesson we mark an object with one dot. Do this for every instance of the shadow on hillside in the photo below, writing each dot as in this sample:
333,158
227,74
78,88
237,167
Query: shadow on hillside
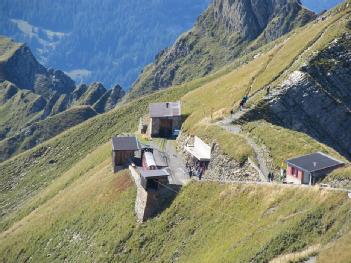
327,125
166,197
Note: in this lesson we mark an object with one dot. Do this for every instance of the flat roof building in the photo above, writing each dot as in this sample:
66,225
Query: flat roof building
150,179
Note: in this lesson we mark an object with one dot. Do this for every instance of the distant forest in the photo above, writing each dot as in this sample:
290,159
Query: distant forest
108,41
112,39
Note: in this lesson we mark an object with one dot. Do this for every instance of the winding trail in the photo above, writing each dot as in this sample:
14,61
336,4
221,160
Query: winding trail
227,123
261,156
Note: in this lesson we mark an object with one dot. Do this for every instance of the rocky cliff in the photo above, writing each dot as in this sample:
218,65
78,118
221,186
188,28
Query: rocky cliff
30,93
228,29
316,99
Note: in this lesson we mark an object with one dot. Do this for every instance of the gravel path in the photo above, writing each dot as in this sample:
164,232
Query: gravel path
259,151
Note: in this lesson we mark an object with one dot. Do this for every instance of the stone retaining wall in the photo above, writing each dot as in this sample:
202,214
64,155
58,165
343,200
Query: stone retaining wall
222,167
149,204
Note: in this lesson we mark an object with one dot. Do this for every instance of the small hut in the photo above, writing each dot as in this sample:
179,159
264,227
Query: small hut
200,153
199,150
124,150
311,168
165,119
153,159
151,179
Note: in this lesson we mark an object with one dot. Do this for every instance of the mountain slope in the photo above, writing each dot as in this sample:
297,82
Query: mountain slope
105,41
316,99
92,220
43,130
30,93
88,210
228,29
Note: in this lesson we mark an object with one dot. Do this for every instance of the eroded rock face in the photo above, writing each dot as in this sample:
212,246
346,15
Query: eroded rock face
223,168
316,99
248,17
110,99
220,35
21,68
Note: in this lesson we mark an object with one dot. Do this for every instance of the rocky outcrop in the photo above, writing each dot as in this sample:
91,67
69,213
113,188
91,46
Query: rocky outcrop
251,18
316,99
109,100
221,34
222,168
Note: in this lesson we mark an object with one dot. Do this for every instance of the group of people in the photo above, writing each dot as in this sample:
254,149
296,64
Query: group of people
282,176
196,169
270,177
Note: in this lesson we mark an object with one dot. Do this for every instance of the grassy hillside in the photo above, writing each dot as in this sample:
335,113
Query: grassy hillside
92,220
7,48
60,201
221,34
17,108
31,171
27,173
43,130
284,144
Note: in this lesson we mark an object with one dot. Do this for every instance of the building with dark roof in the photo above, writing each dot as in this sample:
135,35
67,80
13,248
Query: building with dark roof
165,119
124,150
311,168
152,179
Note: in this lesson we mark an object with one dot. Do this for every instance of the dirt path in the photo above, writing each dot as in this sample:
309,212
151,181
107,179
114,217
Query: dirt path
260,152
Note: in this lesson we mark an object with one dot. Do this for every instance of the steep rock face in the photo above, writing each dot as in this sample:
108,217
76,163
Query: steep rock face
23,70
109,100
316,99
228,28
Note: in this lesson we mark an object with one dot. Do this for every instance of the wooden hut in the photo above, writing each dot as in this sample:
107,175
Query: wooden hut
165,119
123,150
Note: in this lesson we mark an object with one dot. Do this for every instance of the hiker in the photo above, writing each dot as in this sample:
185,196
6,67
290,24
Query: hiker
243,102
270,177
201,171
268,90
190,172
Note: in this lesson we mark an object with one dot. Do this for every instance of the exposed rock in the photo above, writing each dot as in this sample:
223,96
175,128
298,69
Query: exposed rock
221,34
79,91
10,91
222,167
37,105
316,99
110,99
21,68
